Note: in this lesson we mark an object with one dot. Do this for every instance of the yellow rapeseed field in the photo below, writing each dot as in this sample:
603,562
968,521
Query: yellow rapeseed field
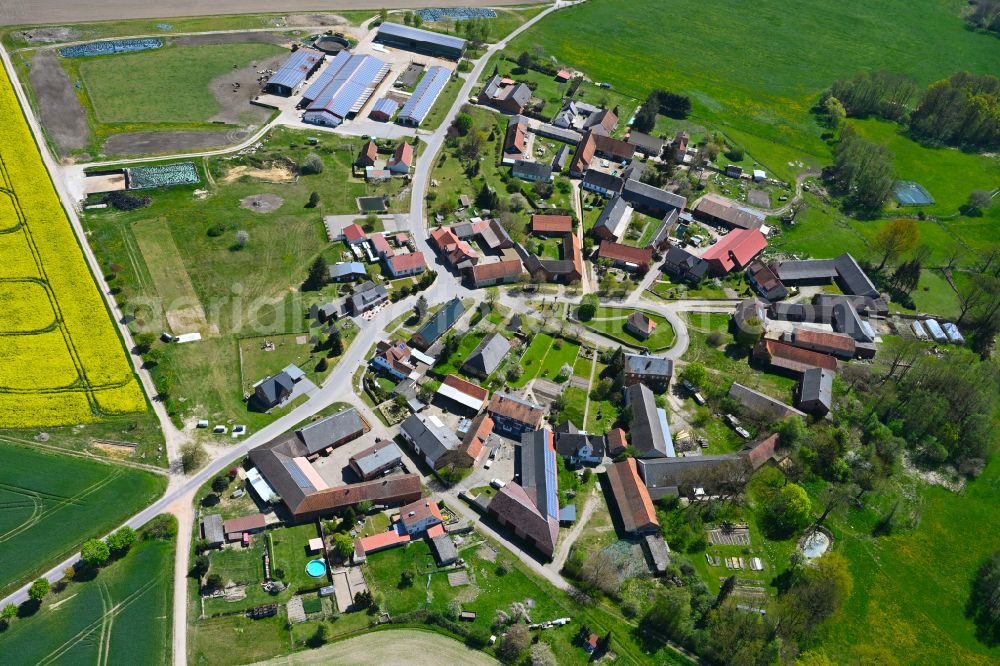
61,360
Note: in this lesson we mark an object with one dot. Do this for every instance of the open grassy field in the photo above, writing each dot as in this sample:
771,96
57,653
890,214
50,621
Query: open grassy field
910,589
948,174
759,90
122,616
611,322
79,371
179,270
165,85
50,503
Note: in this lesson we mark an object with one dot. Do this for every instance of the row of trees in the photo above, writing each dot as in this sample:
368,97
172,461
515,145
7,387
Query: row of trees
962,110
670,104
862,171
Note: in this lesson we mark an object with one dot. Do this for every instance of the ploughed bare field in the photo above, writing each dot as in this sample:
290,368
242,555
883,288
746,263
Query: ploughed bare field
27,12
60,110
156,143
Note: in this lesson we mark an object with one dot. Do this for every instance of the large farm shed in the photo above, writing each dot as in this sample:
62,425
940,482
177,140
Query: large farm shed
422,41
299,67
343,88
423,98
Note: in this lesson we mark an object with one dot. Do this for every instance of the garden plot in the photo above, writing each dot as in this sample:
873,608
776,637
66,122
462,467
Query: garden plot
734,536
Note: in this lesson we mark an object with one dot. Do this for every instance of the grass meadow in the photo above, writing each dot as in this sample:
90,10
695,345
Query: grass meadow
173,275
50,503
165,85
754,72
122,616
611,322
910,589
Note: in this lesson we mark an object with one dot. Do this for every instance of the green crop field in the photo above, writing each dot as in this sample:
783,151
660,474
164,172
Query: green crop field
51,503
755,71
122,616
166,85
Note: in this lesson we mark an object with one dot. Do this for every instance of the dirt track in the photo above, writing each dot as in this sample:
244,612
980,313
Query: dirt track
398,646
156,143
62,115
30,12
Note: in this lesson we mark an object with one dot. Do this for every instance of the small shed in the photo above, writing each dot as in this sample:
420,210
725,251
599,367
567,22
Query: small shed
211,530
467,616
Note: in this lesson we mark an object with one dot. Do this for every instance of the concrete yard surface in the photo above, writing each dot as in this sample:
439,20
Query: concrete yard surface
396,646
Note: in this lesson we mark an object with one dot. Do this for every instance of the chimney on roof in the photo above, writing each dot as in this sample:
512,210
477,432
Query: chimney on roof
411,514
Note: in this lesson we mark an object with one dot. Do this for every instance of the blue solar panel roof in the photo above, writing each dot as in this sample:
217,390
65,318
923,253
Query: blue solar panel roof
324,79
551,477
351,86
296,68
386,106
422,99
416,34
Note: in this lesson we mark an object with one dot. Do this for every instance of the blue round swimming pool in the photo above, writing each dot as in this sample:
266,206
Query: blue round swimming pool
316,568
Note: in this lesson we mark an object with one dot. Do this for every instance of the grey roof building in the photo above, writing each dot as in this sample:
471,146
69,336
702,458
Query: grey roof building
604,183
561,159
852,279
670,476
649,432
270,392
366,296
531,170
422,41
683,265
844,269
211,530
613,220
430,438
332,431
646,144
377,459
816,391
487,356
647,368
652,200
439,324
444,550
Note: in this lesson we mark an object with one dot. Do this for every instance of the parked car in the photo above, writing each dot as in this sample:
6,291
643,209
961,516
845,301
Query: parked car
489,463
497,483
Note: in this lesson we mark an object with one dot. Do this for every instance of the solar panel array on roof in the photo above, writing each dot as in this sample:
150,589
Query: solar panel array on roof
423,98
385,106
551,474
348,90
326,76
293,471
295,70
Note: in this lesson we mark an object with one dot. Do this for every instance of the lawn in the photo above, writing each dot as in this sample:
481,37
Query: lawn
165,85
947,173
910,589
611,322
561,353
123,616
53,502
764,108
290,548
583,367
531,360
177,269
576,404
453,364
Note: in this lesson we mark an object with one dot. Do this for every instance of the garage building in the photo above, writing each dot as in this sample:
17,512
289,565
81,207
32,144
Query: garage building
421,41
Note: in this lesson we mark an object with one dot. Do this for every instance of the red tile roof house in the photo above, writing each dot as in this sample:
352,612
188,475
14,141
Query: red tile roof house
452,248
496,272
635,507
626,256
368,155
402,159
420,516
551,224
562,76
837,344
354,234
513,143
401,265
734,251
475,441
235,527
640,324
381,245
792,359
